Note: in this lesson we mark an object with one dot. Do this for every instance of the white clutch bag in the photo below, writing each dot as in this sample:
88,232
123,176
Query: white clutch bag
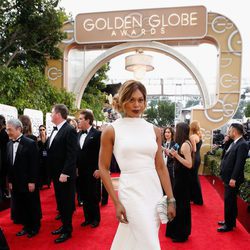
161,208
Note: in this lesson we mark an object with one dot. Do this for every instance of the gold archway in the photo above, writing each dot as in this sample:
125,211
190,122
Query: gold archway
221,32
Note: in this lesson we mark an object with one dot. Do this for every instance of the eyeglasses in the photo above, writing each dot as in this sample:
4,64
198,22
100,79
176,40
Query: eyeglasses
42,129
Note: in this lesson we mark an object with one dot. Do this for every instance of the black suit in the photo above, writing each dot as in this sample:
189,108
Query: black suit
87,163
26,207
62,160
232,167
4,138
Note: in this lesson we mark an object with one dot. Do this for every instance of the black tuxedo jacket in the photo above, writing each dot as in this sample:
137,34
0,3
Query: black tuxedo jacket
87,157
25,168
62,152
233,162
4,138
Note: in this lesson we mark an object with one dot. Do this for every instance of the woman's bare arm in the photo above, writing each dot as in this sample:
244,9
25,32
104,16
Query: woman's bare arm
186,151
192,139
161,168
105,155
163,174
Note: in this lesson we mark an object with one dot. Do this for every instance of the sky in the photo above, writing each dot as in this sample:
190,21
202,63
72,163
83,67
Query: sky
237,11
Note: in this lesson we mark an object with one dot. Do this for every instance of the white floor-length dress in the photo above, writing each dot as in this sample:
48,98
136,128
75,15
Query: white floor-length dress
139,185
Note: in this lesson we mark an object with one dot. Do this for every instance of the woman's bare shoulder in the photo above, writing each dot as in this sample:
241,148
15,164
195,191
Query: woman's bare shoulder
195,137
108,130
187,146
157,130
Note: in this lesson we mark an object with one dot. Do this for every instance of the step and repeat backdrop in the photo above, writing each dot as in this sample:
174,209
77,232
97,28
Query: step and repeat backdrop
36,117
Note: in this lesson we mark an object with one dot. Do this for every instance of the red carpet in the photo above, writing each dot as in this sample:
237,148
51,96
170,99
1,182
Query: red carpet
204,235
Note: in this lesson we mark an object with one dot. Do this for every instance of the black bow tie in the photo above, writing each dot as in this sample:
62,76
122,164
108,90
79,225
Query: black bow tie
14,141
55,128
84,132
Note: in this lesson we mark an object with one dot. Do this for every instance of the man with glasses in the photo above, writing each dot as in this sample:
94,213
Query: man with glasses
22,162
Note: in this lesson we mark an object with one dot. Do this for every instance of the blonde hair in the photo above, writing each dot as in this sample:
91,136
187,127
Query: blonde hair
195,128
125,92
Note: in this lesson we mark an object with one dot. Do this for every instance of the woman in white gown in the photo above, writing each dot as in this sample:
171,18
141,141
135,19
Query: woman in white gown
136,145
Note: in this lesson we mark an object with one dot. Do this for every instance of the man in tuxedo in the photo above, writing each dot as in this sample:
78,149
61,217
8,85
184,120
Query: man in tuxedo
22,164
62,149
232,173
87,164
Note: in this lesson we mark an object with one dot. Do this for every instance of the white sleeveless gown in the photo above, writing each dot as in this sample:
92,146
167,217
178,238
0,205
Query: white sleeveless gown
139,185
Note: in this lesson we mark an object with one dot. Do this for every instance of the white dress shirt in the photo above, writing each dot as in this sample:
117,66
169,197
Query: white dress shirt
237,139
15,147
54,132
83,136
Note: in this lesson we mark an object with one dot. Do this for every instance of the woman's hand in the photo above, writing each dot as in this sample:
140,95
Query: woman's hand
121,213
167,152
171,211
96,174
31,187
173,153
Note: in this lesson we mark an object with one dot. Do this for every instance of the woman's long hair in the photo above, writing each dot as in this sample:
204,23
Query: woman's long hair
27,126
2,122
181,133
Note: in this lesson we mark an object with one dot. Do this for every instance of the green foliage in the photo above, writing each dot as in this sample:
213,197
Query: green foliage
28,88
240,111
245,187
218,152
245,191
30,32
212,162
160,113
192,102
93,97
247,110
247,170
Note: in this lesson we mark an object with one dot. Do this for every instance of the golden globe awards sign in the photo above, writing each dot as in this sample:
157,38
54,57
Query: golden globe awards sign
137,25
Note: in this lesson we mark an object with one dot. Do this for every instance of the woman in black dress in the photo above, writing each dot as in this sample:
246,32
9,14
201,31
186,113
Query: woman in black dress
169,142
180,228
42,140
196,140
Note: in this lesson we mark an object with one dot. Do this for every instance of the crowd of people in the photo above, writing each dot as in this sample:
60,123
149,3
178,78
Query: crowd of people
26,168
183,166
77,159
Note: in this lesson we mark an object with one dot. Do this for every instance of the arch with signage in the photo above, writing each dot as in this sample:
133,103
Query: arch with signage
125,47
158,29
